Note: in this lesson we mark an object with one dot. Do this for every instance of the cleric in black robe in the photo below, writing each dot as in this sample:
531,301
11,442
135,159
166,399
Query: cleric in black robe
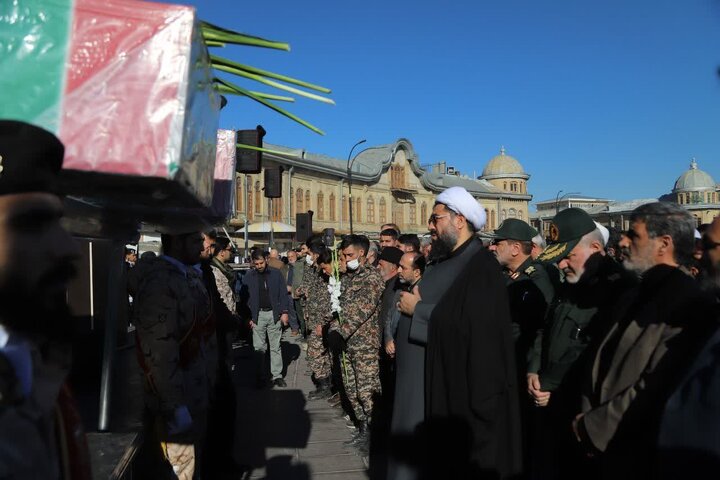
472,418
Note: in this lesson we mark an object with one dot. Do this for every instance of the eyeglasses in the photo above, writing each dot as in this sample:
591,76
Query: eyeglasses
434,218
708,244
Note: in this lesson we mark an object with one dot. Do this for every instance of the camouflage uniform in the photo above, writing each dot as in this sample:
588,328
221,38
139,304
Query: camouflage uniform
317,311
360,309
175,349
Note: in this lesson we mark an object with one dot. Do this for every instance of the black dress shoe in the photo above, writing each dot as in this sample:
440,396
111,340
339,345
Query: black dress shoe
279,382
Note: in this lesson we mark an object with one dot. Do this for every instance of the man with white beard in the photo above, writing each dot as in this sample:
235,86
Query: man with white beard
579,314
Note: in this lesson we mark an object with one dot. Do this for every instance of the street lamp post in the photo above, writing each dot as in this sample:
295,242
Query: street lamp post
349,174
557,198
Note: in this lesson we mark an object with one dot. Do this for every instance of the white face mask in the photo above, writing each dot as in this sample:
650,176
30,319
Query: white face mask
353,264
308,259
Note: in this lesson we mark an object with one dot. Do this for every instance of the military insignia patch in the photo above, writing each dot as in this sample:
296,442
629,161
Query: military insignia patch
530,270
554,232
554,250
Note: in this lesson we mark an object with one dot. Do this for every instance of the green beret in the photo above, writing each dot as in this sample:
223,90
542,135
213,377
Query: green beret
514,229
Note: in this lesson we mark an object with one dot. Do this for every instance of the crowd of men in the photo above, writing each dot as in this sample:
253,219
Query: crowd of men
467,356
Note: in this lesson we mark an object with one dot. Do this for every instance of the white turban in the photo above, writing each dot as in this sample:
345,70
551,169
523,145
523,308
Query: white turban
605,233
697,235
460,201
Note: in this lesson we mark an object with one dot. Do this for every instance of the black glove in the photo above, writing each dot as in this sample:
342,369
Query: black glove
335,341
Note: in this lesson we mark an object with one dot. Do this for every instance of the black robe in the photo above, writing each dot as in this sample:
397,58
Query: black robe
472,413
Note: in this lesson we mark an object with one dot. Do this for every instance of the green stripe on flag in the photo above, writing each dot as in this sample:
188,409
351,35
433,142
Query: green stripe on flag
34,38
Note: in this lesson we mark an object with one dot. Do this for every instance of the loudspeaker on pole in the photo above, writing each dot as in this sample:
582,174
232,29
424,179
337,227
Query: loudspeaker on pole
303,226
273,182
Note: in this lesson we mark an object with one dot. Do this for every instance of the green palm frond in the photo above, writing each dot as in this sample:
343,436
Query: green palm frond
249,94
215,36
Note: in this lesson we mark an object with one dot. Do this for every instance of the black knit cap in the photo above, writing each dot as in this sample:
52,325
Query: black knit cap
30,158
391,254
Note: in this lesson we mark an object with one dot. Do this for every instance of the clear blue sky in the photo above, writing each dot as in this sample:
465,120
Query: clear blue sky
608,98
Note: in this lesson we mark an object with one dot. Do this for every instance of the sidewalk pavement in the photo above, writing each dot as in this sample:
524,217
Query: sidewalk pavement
281,434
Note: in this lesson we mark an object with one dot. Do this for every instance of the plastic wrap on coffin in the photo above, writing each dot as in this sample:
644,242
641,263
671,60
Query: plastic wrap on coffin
139,116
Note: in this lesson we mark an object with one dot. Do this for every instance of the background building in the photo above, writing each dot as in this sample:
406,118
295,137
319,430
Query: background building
695,190
388,185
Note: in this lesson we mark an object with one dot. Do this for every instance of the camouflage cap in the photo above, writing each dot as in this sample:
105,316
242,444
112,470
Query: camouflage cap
566,230
514,229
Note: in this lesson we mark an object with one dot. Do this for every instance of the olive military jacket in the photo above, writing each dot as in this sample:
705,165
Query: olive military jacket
579,314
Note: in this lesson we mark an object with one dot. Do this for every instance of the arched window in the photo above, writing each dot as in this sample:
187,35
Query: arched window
371,209
249,211
423,212
504,185
292,202
503,215
332,207
239,196
258,198
512,213
413,214
345,215
308,206
520,214
383,211
487,222
277,209
321,206
493,219
358,209
299,201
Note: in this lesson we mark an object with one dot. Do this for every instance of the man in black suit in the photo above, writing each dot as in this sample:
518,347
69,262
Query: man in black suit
268,303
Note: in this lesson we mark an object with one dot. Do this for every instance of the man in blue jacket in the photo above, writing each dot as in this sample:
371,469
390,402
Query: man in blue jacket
268,303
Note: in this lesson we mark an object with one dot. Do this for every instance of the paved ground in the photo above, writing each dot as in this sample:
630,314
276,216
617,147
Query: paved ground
282,435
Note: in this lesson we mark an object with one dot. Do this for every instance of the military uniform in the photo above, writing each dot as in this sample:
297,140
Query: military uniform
360,309
171,316
317,312
579,316
530,292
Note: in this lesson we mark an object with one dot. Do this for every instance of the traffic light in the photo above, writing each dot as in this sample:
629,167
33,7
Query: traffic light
249,161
